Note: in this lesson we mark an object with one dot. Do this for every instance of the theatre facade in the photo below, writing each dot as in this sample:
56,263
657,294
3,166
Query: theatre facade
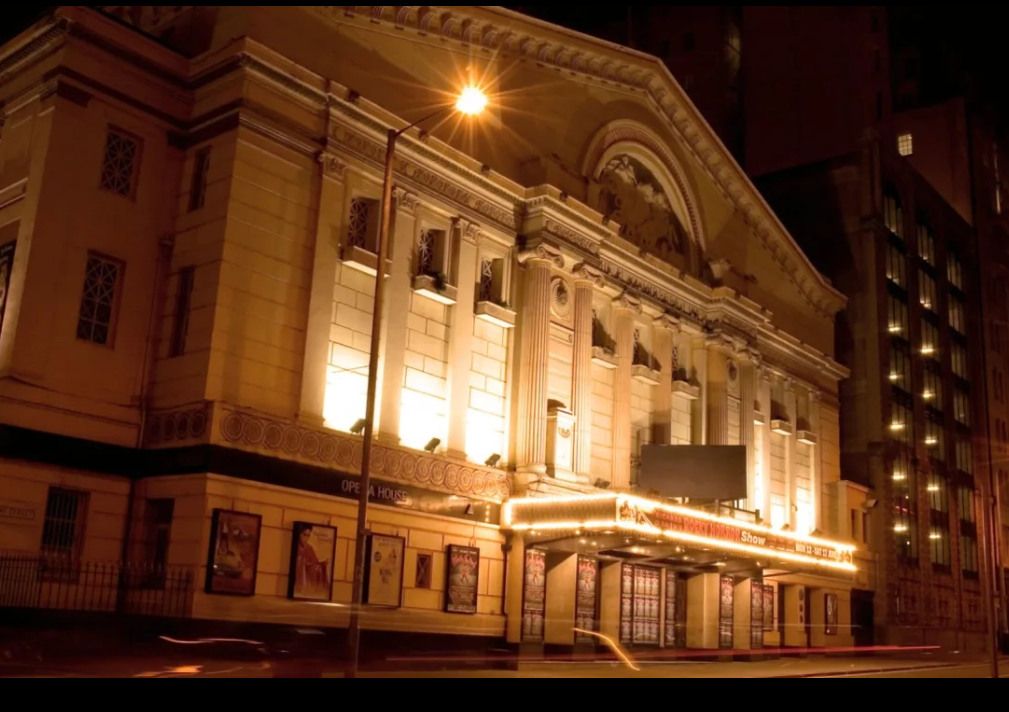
578,273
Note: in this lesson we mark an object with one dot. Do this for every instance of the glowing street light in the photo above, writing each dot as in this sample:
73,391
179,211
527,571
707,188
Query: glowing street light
471,102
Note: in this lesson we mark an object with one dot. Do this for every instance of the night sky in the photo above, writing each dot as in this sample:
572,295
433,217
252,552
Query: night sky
963,55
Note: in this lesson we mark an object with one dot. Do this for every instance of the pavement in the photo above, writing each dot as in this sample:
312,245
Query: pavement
916,666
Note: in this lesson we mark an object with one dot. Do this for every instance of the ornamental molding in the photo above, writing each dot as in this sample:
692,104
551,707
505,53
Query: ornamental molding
405,200
542,253
627,303
262,434
510,35
588,276
572,237
179,427
332,166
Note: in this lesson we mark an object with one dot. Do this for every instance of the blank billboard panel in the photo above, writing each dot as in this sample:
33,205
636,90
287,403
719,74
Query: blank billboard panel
694,471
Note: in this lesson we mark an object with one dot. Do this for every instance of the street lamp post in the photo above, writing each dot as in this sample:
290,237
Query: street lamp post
471,102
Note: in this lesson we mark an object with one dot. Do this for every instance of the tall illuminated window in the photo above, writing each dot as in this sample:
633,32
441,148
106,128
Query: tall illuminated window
896,265
897,318
939,543
959,361
926,243
932,391
957,315
961,407
929,340
893,213
935,437
900,367
905,144
928,291
954,270
905,527
901,423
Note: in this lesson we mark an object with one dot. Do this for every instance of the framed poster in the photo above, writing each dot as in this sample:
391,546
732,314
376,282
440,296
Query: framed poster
830,615
626,604
233,559
726,612
756,615
463,578
768,608
313,554
383,574
585,600
534,596
6,267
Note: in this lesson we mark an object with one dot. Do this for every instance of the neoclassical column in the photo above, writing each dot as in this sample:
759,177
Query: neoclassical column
531,431
790,455
699,411
763,378
587,280
815,464
747,397
392,360
315,366
664,330
625,311
718,389
461,336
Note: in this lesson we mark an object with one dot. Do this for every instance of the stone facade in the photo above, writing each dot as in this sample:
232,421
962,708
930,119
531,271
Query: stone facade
230,177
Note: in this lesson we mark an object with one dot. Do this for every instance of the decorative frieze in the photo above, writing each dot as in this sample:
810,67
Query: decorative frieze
188,426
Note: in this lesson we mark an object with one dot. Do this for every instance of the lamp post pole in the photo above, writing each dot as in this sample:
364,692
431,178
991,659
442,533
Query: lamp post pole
360,551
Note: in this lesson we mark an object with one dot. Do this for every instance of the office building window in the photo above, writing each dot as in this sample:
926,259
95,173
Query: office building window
960,363
896,266
957,315
939,542
928,291
929,340
120,163
926,243
905,521
99,300
966,504
935,436
900,368
893,213
901,423
954,270
961,407
898,318
968,555
965,456
938,493
932,392
905,144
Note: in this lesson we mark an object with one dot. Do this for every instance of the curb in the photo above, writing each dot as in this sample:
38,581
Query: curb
873,671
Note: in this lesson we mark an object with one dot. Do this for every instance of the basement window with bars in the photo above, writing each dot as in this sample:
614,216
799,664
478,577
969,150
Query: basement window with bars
100,300
63,531
120,163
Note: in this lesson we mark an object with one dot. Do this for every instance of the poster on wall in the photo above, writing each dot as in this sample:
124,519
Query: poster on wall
233,559
672,609
756,615
768,608
534,596
6,267
585,602
726,622
463,572
647,605
626,604
830,601
313,555
384,571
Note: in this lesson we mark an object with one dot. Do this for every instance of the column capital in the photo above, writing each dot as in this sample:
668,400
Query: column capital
789,384
627,303
752,355
587,276
542,253
720,341
667,322
332,166
405,200
815,396
469,231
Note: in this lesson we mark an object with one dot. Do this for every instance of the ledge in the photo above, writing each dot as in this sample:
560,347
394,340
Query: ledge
602,357
495,314
782,427
427,286
806,438
683,389
644,374
759,418
362,260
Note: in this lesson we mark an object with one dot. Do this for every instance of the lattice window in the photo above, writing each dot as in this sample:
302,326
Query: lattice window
360,223
119,166
487,281
905,144
427,247
99,300
638,348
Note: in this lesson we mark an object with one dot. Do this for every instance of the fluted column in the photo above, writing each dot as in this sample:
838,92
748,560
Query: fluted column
718,392
747,396
461,336
624,312
531,433
763,377
663,331
586,282
815,466
791,408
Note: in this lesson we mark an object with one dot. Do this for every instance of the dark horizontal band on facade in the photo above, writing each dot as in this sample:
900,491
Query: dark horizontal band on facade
85,455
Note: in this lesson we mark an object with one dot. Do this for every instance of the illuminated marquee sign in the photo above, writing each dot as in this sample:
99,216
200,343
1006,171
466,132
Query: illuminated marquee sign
667,521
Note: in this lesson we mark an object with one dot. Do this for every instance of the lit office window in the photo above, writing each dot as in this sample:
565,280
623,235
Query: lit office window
928,291
957,315
893,213
929,340
896,266
926,243
932,392
900,368
961,365
898,318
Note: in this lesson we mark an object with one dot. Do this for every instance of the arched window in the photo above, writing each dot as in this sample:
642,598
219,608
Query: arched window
893,212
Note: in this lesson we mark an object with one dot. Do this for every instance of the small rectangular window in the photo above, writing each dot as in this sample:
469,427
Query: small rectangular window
425,566
100,300
905,144
960,362
198,187
158,517
120,163
957,315
183,307
968,555
433,255
492,281
362,229
63,529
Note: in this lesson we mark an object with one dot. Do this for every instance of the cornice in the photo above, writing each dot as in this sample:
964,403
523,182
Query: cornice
510,34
